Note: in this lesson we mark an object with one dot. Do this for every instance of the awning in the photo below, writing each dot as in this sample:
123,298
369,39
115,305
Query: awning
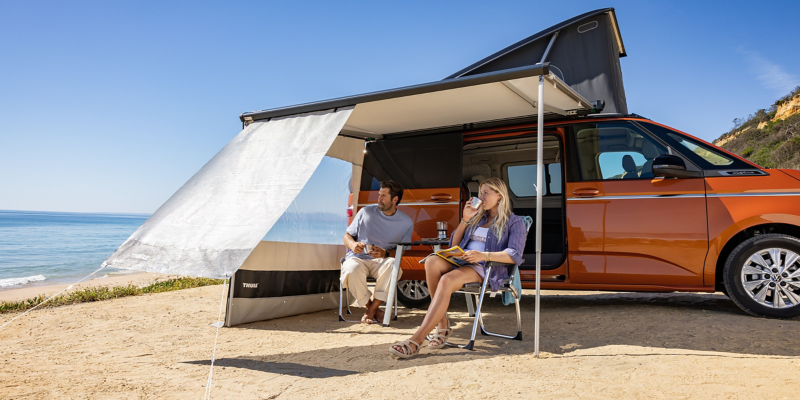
495,96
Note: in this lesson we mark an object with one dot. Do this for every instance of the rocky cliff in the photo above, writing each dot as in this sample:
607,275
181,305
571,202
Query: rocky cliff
770,137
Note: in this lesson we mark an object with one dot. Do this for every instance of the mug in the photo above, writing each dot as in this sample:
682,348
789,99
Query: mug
476,203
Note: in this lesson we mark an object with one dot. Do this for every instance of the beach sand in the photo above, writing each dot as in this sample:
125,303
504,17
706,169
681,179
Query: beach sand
594,345
136,279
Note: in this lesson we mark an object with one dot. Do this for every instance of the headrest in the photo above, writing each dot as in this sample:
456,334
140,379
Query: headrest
650,150
628,164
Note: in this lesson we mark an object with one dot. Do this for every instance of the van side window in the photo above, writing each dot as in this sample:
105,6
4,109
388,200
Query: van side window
522,179
703,155
613,151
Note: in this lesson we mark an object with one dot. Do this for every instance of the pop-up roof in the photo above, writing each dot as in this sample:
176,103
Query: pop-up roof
583,51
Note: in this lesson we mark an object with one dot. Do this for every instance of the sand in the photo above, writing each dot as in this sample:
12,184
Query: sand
594,345
137,279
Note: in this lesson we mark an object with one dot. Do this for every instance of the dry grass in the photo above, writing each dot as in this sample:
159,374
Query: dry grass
105,293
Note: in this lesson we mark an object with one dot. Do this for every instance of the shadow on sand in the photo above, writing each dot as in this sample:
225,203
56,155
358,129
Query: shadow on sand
649,323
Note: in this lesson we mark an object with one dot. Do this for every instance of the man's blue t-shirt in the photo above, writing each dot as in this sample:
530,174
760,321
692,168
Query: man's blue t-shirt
372,226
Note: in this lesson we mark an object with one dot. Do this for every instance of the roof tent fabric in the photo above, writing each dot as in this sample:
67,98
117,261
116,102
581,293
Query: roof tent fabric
213,222
585,55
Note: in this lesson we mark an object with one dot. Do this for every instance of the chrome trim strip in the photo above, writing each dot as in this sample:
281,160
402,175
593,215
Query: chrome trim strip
757,194
421,203
637,197
685,196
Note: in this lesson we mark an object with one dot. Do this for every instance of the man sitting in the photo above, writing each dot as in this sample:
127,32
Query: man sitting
377,226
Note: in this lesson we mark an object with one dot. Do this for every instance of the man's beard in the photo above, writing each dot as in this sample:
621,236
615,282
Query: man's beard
384,206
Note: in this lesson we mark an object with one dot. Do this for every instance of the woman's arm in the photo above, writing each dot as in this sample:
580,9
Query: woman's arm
512,254
469,213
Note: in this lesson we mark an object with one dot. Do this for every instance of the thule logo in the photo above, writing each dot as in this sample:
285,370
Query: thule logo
140,256
250,285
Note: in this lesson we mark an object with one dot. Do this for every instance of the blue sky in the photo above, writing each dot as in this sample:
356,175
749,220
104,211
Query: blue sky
112,106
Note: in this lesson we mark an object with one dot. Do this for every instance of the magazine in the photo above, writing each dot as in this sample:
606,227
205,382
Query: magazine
453,255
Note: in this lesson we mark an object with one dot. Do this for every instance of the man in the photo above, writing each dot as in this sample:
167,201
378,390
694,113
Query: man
377,226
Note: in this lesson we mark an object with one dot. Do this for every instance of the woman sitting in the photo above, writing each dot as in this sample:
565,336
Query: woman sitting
489,233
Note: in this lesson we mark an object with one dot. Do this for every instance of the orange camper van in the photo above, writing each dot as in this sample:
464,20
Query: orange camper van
629,205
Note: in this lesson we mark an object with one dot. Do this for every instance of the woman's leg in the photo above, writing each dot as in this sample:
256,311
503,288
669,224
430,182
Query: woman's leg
448,284
435,267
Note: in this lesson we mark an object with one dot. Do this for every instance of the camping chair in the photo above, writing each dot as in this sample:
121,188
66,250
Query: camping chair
477,290
342,300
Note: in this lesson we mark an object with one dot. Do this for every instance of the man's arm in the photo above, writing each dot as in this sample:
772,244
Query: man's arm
352,244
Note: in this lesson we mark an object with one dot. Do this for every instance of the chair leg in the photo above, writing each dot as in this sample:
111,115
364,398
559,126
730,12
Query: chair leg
475,324
348,300
395,306
340,303
519,318
518,336
344,297
470,304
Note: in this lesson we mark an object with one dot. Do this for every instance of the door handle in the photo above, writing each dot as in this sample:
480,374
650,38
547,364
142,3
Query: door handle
441,197
586,192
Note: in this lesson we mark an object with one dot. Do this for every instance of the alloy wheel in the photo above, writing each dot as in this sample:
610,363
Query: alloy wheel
771,277
414,290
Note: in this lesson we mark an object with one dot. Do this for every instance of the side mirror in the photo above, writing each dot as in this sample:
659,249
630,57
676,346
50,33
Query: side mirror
669,166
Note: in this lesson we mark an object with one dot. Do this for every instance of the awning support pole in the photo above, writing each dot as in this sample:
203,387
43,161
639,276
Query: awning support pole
539,189
549,45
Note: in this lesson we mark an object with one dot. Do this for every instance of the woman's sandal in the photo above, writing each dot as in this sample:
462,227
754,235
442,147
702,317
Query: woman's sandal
405,345
440,337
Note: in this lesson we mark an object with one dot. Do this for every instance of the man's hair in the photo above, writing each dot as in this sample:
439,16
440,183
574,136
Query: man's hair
395,190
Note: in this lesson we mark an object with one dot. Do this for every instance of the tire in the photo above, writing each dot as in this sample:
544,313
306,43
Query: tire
413,294
758,279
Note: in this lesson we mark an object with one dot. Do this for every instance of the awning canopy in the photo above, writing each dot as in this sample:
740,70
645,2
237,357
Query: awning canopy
494,96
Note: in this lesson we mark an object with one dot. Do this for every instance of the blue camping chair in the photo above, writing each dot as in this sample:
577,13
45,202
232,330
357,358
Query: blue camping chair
478,290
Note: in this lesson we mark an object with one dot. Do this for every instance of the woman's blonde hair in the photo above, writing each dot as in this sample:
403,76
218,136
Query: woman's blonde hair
503,207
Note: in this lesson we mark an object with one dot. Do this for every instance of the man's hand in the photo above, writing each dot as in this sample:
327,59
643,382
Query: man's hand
377,252
358,247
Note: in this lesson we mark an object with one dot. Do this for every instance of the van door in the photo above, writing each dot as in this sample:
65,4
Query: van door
625,227
429,169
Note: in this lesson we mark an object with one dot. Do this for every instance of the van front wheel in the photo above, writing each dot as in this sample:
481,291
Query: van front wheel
413,294
762,276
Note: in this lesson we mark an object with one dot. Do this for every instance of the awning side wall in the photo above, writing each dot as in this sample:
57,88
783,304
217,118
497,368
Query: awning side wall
213,222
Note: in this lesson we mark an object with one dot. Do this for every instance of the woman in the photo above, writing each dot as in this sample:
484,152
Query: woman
489,233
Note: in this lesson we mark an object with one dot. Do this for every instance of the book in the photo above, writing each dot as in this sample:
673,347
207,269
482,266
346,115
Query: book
453,255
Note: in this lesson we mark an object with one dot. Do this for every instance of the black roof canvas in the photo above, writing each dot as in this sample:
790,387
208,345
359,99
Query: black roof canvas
585,55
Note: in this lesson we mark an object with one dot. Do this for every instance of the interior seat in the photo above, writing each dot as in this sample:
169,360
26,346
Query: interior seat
650,153
629,166
474,174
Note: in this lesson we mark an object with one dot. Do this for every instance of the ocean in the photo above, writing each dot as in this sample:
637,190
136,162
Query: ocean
46,248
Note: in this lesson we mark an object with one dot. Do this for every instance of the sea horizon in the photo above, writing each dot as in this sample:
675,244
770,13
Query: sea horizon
43,248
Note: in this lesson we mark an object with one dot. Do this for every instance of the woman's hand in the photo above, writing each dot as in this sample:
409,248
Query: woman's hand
470,212
472,256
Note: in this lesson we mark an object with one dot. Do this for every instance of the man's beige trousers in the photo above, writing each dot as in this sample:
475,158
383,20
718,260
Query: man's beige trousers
354,277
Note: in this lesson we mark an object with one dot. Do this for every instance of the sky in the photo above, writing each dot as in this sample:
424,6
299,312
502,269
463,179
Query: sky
112,106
